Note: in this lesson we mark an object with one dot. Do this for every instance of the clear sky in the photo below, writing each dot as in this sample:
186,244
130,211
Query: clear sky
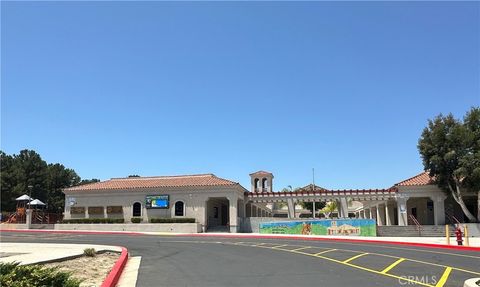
163,88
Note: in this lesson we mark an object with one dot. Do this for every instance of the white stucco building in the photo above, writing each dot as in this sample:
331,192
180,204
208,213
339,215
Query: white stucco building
223,205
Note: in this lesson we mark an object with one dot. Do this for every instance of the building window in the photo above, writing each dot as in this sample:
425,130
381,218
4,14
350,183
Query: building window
179,208
137,209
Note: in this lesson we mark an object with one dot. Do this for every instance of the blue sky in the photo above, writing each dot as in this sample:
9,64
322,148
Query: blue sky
162,88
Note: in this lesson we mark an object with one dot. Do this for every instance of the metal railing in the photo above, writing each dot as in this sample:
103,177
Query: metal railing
452,218
417,224
38,217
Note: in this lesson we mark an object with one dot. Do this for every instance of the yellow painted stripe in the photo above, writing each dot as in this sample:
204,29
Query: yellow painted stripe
444,277
329,250
301,248
392,265
354,257
361,268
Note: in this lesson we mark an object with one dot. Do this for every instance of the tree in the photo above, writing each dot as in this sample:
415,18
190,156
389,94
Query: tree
18,172
87,181
309,206
7,181
450,151
329,208
59,177
29,170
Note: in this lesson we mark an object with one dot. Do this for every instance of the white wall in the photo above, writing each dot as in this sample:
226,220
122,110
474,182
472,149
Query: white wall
194,198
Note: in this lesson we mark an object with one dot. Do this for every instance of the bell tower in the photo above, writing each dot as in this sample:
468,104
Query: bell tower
262,181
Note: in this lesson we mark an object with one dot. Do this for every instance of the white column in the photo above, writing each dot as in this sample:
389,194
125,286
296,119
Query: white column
402,211
313,209
380,214
233,214
343,207
439,210
291,208
388,219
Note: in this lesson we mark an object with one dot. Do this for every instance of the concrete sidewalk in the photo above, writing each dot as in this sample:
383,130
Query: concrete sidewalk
30,253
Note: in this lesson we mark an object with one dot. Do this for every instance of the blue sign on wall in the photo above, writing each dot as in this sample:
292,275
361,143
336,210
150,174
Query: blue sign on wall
157,201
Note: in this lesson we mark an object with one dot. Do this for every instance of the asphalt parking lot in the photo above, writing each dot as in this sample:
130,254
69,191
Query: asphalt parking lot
194,261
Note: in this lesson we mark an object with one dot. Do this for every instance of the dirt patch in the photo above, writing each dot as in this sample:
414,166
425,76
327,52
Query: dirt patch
92,270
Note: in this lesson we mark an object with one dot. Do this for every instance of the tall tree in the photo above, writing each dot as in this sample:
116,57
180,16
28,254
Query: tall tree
18,172
450,150
59,177
8,181
87,181
30,172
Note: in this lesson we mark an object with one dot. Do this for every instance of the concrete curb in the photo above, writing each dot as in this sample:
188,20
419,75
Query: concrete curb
114,275
429,245
471,282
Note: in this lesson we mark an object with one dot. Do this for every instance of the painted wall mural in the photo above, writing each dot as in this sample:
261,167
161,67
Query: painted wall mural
352,227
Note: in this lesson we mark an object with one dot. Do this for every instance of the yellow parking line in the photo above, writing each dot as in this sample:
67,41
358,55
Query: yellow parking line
444,277
301,248
329,250
354,257
360,267
390,267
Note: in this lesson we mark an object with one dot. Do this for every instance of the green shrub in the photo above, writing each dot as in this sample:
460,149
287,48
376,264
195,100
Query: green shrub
172,220
14,275
90,252
136,219
93,220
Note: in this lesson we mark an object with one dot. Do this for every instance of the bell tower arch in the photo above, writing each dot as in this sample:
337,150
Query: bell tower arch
262,181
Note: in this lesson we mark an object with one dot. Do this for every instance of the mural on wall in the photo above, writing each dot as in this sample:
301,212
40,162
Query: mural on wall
355,227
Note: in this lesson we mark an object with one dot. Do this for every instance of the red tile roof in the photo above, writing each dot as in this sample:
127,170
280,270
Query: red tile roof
420,179
308,188
261,172
155,182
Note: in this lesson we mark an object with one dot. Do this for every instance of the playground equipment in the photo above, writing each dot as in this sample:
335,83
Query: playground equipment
20,214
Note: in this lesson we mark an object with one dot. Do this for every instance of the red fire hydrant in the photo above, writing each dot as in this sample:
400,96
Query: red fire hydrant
459,235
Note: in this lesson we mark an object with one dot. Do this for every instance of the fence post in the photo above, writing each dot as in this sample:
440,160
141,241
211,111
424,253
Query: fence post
447,234
465,230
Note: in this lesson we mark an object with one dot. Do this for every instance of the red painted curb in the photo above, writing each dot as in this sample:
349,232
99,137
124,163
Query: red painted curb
114,275
429,245
73,231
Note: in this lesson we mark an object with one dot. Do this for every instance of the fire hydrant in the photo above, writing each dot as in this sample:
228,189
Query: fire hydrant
459,235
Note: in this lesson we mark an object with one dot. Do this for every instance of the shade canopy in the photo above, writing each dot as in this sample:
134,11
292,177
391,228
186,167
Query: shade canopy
36,202
23,197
